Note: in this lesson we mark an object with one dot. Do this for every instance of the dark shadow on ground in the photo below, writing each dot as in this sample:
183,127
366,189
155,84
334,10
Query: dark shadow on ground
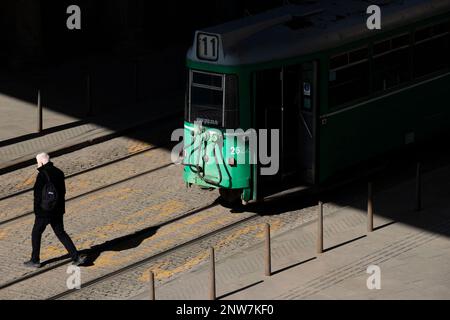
124,243
239,290
120,244
344,243
397,169
293,266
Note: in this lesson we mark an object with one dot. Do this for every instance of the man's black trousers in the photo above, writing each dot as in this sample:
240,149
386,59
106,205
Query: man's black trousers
57,225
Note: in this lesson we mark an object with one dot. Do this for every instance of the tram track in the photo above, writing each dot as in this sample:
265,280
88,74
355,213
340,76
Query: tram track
88,193
167,122
81,172
147,260
53,266
102,188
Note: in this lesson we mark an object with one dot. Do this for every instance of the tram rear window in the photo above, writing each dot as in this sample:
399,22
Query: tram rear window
206,106
213,99
207,79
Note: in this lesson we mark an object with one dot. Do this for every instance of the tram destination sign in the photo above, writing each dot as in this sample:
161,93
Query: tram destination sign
207,46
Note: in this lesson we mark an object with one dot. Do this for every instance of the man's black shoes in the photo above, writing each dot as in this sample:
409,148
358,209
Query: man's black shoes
79,260
32,264
76,262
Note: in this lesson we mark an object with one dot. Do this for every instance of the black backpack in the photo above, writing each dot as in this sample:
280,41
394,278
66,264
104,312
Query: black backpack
49,195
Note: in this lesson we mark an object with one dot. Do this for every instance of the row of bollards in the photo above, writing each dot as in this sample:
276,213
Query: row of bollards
320,229
212,275
320,246
151,280
369,208
418,197
268,251
418,187
89,109
89,105
39,113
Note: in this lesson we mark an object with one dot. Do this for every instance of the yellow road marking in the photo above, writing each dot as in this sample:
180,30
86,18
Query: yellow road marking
3,235
162,272
28,182
77,185
159,244
105,259
52,251
120,225
138,147
191,226
104,196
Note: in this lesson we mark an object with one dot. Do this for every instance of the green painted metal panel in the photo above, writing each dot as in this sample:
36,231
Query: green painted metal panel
216,167
377,127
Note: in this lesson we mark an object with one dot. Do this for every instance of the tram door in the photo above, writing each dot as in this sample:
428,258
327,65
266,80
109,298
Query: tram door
267,88
298,122
284,100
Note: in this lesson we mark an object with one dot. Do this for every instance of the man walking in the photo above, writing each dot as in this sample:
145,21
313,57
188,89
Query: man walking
49,208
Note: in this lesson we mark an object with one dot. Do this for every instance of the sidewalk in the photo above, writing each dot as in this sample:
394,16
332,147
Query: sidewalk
413,254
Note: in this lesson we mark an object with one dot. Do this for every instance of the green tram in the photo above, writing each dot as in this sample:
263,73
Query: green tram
339,93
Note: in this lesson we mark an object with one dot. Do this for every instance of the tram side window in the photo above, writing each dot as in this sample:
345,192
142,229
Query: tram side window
391,61
431,49
349,77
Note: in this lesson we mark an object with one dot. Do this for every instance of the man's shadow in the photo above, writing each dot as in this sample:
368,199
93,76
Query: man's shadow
120,244
127,242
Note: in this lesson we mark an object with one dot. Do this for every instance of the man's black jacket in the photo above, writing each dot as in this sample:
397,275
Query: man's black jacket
57,178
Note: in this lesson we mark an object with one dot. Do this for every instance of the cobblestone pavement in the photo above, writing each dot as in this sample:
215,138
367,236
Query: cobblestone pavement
172,270
121,224
92,156
173,266
104,178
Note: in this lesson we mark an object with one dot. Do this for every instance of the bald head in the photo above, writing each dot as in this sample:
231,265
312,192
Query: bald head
42,159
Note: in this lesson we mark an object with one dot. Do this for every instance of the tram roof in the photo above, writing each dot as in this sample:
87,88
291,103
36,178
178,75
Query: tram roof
295,30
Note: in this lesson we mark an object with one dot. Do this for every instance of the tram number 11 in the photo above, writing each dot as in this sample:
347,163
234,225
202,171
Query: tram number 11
207,47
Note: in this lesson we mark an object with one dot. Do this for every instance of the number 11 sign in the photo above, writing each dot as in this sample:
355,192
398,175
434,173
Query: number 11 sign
207,47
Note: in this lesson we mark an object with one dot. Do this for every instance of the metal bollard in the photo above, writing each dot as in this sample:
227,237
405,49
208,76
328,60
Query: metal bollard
320,229
369,208
152,285
39,112
418,187
88,95
136,80
212,277
268,254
